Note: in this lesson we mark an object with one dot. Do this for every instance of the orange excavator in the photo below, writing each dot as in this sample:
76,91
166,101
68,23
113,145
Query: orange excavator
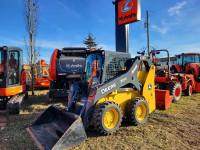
13,89
42,81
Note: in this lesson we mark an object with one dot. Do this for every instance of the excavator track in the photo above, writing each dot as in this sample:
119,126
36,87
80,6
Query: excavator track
16,103
3,119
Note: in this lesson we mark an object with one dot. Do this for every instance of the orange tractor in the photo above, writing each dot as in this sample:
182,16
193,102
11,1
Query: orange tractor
13,89
189,63
175,82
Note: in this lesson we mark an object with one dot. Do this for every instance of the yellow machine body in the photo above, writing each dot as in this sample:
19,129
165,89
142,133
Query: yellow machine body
121,98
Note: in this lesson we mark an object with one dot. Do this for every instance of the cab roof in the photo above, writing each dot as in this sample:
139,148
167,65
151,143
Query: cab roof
8,48
188,54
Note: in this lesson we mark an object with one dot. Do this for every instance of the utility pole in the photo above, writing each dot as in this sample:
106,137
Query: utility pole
147,26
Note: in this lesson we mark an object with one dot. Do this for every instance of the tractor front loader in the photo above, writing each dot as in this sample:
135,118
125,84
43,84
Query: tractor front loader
175,82
116,86
165,80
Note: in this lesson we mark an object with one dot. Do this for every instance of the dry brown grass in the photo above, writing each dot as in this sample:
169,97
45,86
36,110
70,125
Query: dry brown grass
14,135
176,128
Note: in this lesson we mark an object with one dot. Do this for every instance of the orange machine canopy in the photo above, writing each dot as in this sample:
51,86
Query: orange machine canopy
42,62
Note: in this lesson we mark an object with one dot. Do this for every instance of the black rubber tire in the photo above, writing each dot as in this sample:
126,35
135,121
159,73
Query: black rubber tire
172,88
188,91
98,117
131,110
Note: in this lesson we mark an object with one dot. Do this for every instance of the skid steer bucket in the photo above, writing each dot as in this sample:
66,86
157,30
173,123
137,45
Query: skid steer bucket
3,118
57,129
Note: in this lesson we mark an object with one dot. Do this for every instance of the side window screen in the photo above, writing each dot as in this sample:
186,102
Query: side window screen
114,67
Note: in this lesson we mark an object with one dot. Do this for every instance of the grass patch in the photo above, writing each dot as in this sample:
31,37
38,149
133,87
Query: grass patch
175,128
14,136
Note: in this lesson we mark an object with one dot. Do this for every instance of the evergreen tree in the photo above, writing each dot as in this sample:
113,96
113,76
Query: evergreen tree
90,42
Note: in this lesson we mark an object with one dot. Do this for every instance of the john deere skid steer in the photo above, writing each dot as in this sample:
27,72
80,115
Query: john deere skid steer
116,86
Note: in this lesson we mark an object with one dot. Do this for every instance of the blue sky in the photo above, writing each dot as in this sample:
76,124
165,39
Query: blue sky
174,25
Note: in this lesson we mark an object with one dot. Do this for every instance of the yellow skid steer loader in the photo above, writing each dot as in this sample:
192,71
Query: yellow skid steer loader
115,86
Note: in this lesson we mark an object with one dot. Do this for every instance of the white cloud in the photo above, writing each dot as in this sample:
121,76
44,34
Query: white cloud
107,47
189,47
10,42
68,10
163,29
52,44
175,10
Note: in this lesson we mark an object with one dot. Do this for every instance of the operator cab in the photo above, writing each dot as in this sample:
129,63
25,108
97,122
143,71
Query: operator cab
98,71
10,66
183,59
93,68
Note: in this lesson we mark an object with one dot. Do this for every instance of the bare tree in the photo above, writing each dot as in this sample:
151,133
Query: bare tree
31,21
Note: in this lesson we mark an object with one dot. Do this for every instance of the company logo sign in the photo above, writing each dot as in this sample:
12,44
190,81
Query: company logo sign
149,86
126,6
108,88
74,66
128,11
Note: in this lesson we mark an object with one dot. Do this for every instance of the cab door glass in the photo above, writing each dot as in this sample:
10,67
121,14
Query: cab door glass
13,67
179,60
93,62
2,66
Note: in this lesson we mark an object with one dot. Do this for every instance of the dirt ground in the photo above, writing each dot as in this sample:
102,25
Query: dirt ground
175,128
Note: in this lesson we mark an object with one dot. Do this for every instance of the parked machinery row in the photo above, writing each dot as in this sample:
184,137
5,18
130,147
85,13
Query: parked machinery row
114,86
102,88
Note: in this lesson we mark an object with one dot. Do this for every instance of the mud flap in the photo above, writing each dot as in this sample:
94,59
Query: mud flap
57,129
3,118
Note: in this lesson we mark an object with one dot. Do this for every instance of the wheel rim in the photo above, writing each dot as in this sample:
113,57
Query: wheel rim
111,118
141,112
177,92
190,90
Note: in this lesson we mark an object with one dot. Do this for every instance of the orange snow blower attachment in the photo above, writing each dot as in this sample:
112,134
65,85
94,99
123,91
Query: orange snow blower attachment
57,129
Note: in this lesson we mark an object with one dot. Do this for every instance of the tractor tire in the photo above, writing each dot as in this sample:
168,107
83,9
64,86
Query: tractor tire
107,117
188,91
137,111
175,90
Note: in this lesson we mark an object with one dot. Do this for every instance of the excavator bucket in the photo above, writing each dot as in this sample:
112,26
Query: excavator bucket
57,129
3,118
